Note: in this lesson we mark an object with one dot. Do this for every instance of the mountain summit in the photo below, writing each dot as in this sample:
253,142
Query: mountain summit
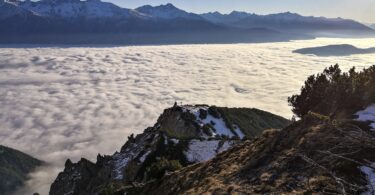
168,11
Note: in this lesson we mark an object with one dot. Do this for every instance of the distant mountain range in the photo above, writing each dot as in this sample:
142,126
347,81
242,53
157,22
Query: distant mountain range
94,21
290,22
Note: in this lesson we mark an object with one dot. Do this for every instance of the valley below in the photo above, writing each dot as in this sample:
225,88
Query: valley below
72,101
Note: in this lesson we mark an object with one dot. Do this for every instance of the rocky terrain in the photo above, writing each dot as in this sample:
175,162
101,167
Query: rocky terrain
183,135
14,169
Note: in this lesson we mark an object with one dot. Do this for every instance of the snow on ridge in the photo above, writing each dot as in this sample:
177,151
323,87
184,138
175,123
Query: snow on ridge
370,176
175,141
121,160
218,123
167,11
70,9
367,114
144,156
239,133
201,151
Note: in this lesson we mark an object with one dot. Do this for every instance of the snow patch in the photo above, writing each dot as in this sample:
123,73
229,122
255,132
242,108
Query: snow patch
225,146
201,151
144,156
370,176
120,161
175,141
239,132
367,114
218,123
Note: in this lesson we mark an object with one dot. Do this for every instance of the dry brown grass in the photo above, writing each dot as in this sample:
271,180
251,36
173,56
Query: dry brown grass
312,156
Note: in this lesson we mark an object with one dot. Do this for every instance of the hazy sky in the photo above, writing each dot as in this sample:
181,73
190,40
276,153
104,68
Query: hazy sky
361,10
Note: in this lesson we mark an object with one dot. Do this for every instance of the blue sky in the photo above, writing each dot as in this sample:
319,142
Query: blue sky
361,10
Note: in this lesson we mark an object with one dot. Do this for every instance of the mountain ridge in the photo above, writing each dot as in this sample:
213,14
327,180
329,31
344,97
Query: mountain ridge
287,21
182,135
167,11
94,21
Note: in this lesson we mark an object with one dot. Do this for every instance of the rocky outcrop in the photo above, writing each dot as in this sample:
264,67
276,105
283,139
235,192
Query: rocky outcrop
14,169
183,135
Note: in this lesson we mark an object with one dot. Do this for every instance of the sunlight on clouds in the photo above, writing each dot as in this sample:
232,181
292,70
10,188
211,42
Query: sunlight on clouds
74,102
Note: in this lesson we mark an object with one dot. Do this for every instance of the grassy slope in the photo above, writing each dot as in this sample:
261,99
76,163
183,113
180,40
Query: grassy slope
253,121
250,120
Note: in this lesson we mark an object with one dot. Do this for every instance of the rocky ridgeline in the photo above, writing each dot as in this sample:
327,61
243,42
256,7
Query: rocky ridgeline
316,155
183,135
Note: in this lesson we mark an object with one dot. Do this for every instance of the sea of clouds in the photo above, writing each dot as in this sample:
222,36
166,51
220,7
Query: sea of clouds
73,102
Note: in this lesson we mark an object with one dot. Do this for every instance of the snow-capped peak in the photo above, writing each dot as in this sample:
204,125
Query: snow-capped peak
11,9
239,14
77,8
167,11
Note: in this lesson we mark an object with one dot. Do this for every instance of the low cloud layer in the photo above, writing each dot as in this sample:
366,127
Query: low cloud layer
73,102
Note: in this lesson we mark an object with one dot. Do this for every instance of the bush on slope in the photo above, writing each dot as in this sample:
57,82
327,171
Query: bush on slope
335,93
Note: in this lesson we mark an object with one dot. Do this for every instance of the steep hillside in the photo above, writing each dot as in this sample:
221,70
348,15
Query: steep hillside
183,135
314,155
331,150
14,168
